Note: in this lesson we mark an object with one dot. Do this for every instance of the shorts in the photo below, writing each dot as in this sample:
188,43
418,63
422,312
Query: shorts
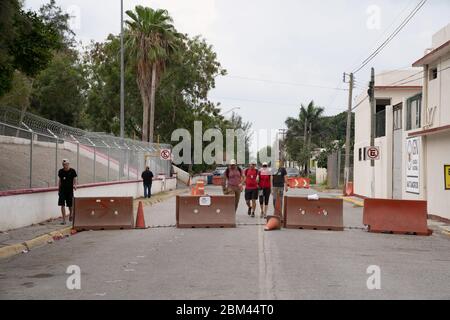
65,199
251,194
264,195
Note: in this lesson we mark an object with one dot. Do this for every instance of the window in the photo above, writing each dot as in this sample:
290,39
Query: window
413,112
360,154
397,117
380,117
433,73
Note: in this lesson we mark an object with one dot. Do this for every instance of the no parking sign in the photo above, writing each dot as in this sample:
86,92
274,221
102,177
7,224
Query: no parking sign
165,154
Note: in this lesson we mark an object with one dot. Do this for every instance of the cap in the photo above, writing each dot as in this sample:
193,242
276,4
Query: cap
233,162
265,164
65,161
253,162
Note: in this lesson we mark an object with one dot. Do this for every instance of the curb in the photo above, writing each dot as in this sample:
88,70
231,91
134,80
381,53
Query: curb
14,249
353,201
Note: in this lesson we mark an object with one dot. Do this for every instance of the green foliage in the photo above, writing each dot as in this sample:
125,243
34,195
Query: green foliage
59,91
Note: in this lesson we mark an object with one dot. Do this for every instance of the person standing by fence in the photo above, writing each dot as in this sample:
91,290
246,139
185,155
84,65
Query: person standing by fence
147,176
66,185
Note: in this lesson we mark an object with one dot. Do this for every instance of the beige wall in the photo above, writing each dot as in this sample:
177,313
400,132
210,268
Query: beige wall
438,155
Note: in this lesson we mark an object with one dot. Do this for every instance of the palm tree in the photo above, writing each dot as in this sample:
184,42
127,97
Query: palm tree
151,39
302,127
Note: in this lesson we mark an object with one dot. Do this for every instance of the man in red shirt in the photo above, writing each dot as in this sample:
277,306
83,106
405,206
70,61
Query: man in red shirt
251,188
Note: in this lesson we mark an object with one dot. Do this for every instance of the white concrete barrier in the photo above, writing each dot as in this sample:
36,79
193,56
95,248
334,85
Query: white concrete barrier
26,207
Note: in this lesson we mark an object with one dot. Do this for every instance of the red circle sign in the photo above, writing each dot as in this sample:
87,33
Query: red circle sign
373,153
165,154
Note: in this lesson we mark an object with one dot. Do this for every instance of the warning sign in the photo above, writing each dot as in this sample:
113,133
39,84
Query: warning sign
165,154
447,176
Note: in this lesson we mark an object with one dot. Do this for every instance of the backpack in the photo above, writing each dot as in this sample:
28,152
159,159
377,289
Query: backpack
227,172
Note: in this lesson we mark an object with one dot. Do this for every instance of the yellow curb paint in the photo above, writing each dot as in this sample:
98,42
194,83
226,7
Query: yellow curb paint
355,202
11,250
17,248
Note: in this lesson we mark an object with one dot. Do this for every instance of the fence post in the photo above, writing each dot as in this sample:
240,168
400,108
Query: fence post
128,163
108,162
95,160
31,160
78,159
56,163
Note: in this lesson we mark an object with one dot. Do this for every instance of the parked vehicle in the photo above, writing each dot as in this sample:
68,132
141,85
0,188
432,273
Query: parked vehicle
292,172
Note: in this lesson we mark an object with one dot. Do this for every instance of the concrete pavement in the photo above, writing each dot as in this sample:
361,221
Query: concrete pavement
241,263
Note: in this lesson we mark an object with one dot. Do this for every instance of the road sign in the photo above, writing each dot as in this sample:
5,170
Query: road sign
447,177
413,147
165,154
373,153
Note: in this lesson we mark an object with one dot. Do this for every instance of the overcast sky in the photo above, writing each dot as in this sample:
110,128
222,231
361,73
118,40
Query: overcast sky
288,41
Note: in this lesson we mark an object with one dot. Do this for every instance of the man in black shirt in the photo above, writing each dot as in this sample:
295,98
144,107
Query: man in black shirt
147,176
67,184
279,183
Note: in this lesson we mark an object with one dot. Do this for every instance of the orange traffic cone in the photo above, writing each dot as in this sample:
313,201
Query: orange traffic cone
140,221
273,223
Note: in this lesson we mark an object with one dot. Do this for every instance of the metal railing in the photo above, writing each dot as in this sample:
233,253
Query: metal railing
32,148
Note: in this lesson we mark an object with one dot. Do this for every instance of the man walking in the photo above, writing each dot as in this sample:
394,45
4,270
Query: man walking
251,188
147,177
66,185
280,184
233,182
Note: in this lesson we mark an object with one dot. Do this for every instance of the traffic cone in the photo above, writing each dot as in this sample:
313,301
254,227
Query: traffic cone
140,221
273,223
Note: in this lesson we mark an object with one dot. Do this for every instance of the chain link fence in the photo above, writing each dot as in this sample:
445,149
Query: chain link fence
32,149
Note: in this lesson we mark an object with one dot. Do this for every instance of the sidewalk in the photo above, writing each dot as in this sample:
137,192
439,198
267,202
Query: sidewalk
24,239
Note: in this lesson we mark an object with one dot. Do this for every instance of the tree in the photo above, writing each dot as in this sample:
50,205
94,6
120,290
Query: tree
300,132
151,40
59,91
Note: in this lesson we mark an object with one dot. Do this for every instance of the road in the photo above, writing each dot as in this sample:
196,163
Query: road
240,263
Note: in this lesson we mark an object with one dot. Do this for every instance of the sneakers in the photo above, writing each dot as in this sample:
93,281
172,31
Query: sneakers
253,215
249,212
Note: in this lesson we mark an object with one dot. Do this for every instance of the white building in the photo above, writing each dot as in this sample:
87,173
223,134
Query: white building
412,132
434,133
395,96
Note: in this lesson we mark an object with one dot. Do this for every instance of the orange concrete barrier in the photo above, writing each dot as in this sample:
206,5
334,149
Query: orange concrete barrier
198,189
218,180
103,213
396,216
322,214
205,212
299,183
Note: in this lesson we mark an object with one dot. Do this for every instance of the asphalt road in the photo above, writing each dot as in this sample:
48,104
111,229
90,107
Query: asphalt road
241,263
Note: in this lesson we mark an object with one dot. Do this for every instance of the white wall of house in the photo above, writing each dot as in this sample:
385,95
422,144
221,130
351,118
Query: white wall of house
25,209
438,155
383,167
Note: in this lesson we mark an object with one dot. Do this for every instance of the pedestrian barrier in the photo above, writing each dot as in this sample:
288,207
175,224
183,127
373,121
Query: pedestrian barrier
103,213
299,183
217,180
205,212
198,189
396,216
321,214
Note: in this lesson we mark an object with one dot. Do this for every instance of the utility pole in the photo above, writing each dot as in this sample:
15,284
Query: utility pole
283,133
371,93
348,132
122,79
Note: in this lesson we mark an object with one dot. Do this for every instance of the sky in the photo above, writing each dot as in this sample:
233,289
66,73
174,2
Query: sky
278,53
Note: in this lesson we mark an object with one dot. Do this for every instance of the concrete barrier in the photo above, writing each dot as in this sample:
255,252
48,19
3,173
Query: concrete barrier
21,208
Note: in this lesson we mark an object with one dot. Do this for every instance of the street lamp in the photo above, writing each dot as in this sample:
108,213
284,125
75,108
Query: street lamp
122,79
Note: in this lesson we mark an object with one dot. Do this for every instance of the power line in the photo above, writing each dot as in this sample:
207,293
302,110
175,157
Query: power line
393,35
288,83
